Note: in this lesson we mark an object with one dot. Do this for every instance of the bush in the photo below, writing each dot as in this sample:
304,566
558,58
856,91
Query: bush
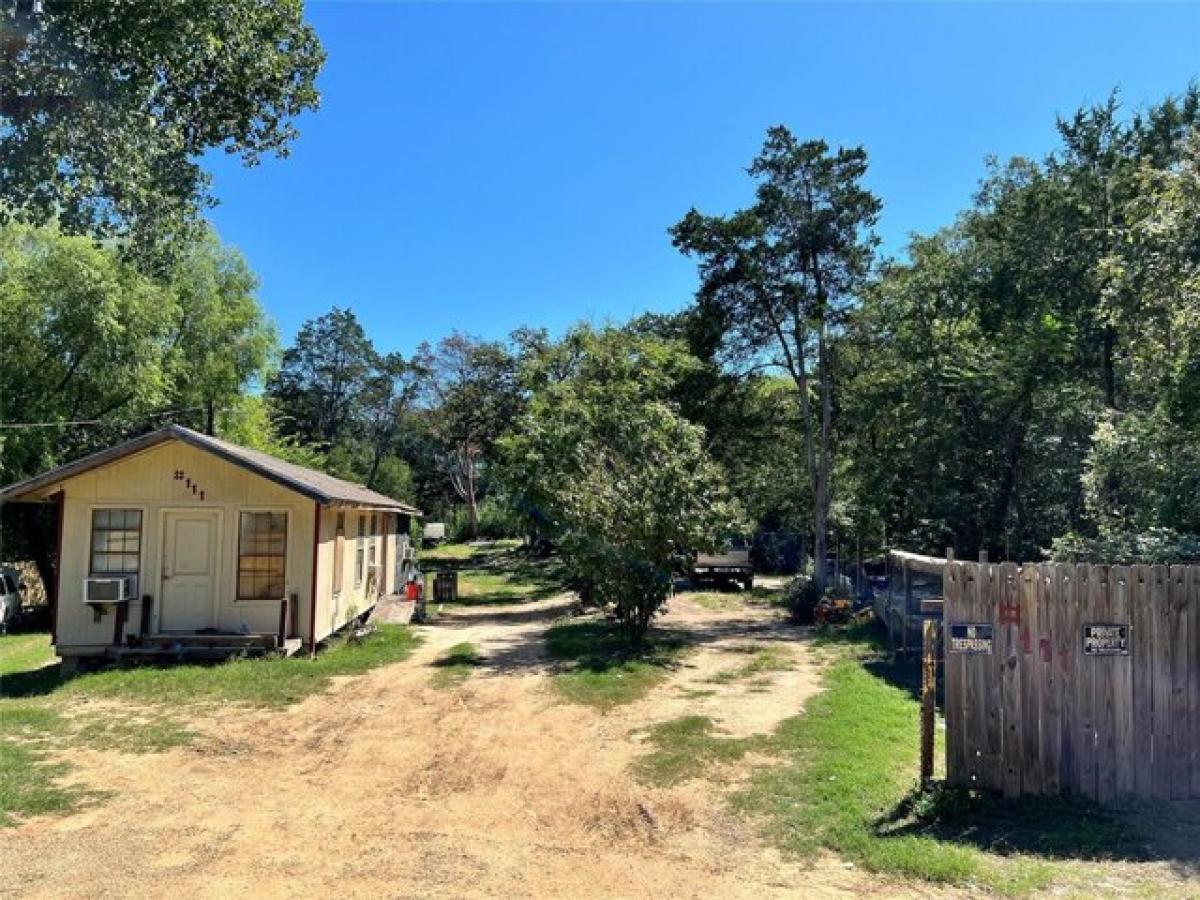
802,596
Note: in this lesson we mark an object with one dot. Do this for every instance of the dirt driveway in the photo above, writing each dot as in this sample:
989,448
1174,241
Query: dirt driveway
386,786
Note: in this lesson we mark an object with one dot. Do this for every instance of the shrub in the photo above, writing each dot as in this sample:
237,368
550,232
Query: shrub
802,596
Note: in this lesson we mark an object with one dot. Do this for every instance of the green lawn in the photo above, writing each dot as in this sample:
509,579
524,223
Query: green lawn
270,681
844,780
599,667
24,653
40,712
499,572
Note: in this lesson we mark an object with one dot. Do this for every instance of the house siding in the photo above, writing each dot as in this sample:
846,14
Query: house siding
147,481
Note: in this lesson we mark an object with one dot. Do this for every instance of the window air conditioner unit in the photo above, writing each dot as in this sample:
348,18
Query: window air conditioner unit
109,588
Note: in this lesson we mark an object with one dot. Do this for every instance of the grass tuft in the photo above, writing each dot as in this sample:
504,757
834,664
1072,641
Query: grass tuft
455,665
761,660
689,747
602,670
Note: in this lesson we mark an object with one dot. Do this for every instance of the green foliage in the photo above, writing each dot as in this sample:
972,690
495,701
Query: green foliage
1015,379
476,397
497,518
801,597
338,399
107,106
606,461
89,337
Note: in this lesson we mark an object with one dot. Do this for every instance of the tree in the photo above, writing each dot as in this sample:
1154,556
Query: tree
319,388
108,104
613,468
221,342
781,275
475,397
91,339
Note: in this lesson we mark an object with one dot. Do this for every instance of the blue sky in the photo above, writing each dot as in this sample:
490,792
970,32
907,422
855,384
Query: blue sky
479,167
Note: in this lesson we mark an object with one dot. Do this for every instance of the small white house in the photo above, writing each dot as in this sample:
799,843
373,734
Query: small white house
181,540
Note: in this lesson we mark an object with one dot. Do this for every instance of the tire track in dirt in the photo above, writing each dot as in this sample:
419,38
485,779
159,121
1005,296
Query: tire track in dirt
385,786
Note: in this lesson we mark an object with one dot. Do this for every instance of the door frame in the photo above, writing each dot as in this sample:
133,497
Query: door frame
218,516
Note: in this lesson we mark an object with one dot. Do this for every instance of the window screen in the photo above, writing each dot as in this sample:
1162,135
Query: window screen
262,555
116,541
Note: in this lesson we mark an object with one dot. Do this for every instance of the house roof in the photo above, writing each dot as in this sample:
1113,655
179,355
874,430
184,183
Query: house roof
309,482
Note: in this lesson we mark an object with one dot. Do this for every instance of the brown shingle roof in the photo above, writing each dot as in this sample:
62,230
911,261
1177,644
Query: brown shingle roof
302,480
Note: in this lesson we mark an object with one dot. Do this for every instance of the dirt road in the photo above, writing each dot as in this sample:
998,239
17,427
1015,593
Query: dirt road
386,786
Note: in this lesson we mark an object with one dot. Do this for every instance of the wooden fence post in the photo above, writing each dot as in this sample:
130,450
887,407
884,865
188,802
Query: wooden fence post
929,655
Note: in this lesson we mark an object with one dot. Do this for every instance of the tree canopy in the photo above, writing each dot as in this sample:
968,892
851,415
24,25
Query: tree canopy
108,104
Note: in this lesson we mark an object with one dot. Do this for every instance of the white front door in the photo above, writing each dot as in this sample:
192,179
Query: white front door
189,571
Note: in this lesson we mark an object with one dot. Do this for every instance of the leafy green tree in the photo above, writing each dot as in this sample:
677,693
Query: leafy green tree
994,378
85,339
618,473
475,395
221,342
91,340
323,377
107,105
780,276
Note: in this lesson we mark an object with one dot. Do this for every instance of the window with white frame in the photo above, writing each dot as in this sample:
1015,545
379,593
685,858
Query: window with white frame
116,542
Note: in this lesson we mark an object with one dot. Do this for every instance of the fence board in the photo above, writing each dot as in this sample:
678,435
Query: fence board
1009,646
987,609
1179,733
1051,680
1143,681
1068,648
1121,612
1087,598
953,704
1160,602
1104,687
1193,667
1029,586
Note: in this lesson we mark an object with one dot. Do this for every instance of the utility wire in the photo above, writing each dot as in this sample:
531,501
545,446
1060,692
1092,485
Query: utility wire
76,422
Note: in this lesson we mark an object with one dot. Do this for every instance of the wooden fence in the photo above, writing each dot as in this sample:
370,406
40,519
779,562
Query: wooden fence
1073,678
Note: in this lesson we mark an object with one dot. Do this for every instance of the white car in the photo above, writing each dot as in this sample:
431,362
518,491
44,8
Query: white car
10,597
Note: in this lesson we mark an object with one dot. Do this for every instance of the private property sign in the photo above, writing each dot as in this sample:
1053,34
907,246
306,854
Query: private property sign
1105,640
970,638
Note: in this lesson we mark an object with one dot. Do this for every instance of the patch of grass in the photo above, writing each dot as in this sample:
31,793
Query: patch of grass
770,658
716,600
498,573
24,653
133,735
689,747
601,669
846,783
477,588
270,681
455,665
30,786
